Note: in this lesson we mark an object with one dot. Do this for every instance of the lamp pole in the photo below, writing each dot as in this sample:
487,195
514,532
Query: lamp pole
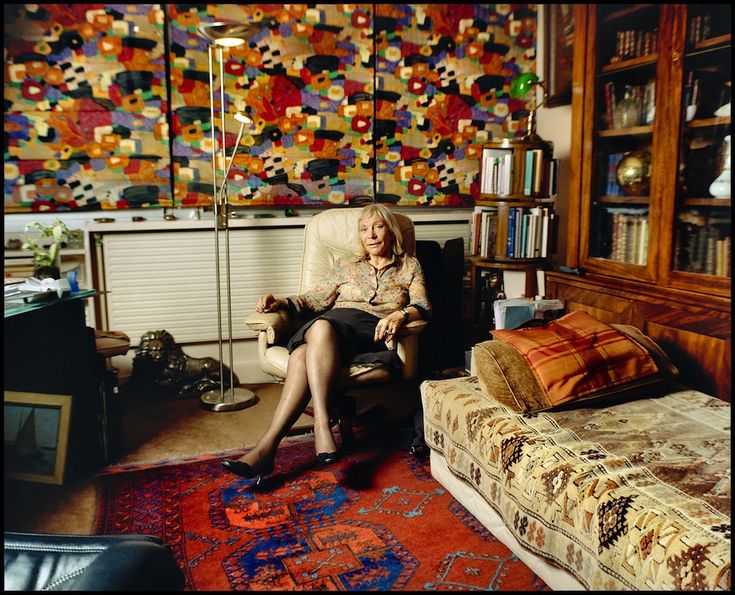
223,34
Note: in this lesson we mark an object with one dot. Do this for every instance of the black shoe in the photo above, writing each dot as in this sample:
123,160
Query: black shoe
326,458
247,471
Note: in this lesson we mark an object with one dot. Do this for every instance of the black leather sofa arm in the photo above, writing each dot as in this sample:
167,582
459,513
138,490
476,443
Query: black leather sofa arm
35,562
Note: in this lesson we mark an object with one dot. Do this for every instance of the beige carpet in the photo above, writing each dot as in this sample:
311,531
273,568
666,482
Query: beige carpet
153,431
157,430
179,428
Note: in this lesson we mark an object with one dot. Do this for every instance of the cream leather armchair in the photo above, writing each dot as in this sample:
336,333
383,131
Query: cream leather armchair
328,236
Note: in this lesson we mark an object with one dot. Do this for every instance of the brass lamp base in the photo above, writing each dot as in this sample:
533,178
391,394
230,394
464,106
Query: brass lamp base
234,399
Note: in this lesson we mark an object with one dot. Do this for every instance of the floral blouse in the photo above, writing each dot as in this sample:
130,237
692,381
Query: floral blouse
354,283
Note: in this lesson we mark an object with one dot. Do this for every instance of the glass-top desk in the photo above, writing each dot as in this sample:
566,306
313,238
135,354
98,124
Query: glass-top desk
49,349
14,305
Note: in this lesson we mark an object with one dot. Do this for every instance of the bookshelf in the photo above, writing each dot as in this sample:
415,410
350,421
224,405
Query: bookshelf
647,228
512,224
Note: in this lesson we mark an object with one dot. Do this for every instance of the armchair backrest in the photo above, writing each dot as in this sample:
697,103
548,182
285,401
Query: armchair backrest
331,234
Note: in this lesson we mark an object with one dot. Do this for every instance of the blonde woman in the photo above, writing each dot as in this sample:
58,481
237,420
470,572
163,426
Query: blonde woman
359,306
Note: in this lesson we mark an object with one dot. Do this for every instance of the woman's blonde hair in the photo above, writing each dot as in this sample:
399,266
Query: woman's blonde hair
378,210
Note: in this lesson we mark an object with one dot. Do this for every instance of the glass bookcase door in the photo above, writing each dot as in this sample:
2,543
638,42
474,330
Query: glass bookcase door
702,223
618,222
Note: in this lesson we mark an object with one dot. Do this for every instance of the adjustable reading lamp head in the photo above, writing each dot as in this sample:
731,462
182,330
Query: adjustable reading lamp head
244,120
519,87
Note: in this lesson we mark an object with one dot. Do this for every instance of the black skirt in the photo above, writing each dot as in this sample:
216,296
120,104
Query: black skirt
355,331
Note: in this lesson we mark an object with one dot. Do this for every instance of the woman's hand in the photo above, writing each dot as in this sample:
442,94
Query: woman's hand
387,327
269,303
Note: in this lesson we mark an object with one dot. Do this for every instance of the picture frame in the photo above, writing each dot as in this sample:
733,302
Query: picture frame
558,53
36,436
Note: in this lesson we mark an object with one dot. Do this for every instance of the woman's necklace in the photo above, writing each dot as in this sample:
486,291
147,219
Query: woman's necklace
384,261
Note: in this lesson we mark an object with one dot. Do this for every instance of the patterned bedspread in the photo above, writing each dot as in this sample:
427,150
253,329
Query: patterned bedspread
634,495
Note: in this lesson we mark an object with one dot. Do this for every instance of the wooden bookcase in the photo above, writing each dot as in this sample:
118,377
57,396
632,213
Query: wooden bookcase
513,222
653,80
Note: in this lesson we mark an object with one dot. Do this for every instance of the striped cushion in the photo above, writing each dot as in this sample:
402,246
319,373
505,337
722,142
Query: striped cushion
576,357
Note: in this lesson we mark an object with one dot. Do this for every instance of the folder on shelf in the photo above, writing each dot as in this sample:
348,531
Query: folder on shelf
528,174
514,283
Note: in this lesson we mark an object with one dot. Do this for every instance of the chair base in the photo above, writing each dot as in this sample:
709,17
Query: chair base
345,409
343,414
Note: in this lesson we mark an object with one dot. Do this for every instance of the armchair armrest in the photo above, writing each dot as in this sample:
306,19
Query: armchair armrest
278,326
411,328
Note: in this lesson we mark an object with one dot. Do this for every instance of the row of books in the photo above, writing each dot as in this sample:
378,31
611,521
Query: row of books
620,234
703,249
505,172
612,188
633,43
630,238
699,28
484,231
497,171
526,235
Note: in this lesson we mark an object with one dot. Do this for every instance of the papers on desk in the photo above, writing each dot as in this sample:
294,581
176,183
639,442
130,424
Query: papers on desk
31,289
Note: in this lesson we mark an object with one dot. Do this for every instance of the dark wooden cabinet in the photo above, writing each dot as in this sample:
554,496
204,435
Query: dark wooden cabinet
650,135
50,350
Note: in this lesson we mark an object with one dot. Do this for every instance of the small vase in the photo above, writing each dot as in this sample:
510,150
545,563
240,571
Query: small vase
721,188
47,272
627,112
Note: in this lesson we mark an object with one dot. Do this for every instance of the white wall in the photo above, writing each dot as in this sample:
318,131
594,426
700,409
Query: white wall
555,124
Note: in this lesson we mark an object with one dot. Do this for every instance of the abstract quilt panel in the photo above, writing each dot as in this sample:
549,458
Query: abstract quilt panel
85,107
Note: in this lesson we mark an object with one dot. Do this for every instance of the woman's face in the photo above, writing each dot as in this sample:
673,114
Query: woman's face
375,236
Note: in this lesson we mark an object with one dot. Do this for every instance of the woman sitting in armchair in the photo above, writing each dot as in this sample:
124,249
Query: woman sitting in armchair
360,305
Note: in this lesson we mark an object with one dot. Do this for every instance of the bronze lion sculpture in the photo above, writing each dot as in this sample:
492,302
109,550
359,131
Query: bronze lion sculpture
161,365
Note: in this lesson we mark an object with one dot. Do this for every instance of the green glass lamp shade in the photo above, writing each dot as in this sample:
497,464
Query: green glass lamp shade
522,84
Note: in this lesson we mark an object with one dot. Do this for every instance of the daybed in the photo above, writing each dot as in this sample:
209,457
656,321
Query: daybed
621,489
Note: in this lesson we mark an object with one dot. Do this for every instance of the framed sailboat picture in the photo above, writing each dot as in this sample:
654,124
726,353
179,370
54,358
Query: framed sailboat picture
36,436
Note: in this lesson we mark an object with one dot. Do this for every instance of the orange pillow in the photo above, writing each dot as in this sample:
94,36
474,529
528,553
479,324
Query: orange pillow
578,356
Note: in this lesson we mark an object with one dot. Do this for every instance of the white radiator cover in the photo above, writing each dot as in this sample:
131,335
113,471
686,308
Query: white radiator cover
167,280
163,280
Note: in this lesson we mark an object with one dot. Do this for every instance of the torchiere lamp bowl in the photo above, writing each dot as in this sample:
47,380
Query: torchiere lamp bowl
231,33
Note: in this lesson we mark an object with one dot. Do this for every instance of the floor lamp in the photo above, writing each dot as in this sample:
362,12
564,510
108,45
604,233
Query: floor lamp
222,34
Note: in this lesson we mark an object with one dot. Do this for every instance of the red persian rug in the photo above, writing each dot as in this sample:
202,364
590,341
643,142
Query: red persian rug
376,520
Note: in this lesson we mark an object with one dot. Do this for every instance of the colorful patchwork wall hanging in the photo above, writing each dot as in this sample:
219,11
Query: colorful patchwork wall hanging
85,107
348,101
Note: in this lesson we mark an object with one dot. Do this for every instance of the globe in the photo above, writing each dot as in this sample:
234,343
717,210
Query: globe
634,172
